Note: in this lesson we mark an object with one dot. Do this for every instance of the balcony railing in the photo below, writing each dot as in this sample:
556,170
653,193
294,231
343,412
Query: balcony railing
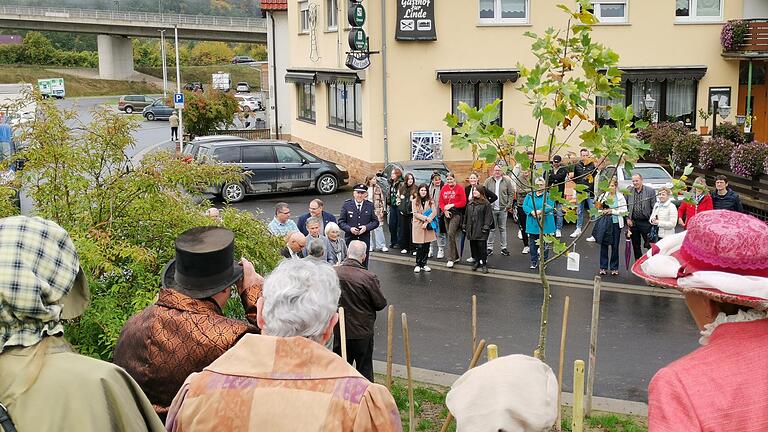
755,41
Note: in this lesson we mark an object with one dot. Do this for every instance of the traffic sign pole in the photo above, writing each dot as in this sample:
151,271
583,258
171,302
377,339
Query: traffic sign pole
180,144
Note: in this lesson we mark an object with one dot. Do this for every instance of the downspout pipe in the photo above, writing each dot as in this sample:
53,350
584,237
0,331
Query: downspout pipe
274,76
384,77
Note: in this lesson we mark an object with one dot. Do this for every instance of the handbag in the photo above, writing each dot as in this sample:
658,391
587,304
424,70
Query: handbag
653,234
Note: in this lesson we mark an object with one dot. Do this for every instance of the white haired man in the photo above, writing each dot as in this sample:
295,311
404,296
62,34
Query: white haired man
361,297
285,380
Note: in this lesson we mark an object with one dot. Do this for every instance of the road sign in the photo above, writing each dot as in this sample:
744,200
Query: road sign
357,39
356,15
178,100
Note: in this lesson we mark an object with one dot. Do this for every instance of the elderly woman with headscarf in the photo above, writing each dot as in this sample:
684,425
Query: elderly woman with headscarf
43,384
720,264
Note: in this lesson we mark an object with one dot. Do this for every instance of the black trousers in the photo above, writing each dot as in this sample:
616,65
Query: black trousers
405,236
422,253
174,132
640,230
479,252
359,352
522,219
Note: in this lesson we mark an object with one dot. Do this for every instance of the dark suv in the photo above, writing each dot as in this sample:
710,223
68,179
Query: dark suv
158,110
272,166
131,103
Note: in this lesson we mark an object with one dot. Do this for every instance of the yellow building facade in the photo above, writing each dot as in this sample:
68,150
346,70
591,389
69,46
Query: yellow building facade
670,50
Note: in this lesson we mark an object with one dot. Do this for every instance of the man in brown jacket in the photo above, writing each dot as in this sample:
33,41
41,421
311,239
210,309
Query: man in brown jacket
361,298
185,330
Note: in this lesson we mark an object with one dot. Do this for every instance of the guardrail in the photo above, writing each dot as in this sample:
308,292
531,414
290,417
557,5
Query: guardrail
127,16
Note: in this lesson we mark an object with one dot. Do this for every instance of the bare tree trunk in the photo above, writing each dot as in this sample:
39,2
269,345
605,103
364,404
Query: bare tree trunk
541,348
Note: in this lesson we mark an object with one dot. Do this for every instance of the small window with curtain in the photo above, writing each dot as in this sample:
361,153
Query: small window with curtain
475,95
304,16
681,101
345,107
331,14
610,11
306,101
698,10
504,11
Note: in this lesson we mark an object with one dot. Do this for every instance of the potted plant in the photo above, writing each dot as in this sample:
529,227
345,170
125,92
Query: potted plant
704,115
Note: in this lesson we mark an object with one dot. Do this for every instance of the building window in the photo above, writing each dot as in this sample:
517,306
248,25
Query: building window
698,10
476,95
610,11
675,101
345,106
304,16
331,14
504,11
306,101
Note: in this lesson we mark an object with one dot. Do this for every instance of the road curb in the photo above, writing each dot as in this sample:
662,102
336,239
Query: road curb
447,379
528,277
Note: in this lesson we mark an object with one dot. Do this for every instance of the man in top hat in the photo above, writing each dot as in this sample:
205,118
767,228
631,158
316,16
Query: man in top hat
357,218
720,264
185,330
44,385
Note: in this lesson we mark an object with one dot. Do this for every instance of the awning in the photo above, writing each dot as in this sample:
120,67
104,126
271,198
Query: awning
300,77
478,75
663,73
330,77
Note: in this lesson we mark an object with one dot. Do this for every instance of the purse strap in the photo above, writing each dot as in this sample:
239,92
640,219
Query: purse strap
5,420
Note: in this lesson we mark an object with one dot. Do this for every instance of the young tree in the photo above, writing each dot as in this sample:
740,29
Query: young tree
570,71
206,112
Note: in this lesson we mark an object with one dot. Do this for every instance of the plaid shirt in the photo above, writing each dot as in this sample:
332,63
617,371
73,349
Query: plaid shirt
38,267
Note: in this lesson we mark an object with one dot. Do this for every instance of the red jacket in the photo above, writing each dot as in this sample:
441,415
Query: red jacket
687,210
453,195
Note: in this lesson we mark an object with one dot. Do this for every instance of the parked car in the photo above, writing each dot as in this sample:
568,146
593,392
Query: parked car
272,166
243,87
242,59
131,103
654,175
422,170
194,86
193,147
157,111
249,103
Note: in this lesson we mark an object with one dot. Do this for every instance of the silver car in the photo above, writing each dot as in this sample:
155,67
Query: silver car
654,176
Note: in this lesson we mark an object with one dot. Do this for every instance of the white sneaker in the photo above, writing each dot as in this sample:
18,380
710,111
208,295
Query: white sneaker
558,234
519,235
576,233
384,249
449,264
440,253
591,239
526,250
429,255
414,253
426,269
370,249
416,269
404,251
470,259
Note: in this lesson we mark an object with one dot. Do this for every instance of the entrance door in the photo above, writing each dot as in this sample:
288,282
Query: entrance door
759,99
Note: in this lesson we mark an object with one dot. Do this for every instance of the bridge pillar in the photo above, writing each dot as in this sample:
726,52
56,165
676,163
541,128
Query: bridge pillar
115,57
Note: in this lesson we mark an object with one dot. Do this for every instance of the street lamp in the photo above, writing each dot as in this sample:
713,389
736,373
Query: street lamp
650,104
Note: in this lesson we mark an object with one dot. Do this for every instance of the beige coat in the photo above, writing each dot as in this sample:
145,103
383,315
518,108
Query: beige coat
72,392
421,234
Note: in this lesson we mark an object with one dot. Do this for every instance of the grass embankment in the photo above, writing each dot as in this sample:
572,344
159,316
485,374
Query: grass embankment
430,411
75,86
251,75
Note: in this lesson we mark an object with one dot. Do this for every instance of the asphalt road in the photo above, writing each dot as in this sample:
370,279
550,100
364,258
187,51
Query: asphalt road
640,330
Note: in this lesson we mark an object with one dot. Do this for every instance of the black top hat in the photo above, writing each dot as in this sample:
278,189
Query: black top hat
204,263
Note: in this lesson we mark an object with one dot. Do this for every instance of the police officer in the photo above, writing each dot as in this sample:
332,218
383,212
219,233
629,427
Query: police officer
357,219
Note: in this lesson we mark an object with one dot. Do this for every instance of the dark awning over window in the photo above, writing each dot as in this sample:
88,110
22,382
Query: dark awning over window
663,73
300,77
478,75
329,77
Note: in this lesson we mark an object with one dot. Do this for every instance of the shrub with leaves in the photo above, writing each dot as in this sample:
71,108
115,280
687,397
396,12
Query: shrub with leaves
730,132
206,112
733,34
123,217
662,137
685,150
747,160
715,153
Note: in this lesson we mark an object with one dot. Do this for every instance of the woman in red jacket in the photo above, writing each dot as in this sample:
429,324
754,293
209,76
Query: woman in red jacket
452,202
702,201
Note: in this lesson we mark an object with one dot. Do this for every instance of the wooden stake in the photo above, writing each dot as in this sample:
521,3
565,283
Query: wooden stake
563,338
474,323
578,396
390,331
472,363
493,352
342,333
407,345
593,343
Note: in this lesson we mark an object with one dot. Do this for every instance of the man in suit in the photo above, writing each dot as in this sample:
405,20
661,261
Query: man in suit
294,246
357,219
315,210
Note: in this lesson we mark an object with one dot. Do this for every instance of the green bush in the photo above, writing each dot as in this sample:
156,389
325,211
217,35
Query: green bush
123,216
715,153
685,150
206,112
11,54
662,137
730,132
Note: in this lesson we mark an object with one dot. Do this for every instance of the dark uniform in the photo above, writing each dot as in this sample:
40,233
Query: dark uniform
350,217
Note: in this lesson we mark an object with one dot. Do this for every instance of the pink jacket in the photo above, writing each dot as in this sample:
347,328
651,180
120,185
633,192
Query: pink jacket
721,387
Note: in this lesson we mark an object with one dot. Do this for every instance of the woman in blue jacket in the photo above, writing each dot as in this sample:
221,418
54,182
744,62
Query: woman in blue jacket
536,210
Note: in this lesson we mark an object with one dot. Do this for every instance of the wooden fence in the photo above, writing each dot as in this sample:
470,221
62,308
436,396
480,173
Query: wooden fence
251,134
757,37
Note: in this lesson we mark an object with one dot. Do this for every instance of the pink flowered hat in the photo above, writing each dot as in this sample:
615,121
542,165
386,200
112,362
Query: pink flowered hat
723,255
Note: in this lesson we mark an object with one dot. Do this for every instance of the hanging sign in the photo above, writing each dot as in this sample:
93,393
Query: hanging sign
358,41
416,20
356,15
359,56
358,60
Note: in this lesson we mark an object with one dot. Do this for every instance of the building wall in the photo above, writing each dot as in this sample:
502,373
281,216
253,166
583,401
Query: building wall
282,104
755,9
418,101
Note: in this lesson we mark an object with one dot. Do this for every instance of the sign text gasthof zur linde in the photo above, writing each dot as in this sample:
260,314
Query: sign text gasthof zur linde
416,20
